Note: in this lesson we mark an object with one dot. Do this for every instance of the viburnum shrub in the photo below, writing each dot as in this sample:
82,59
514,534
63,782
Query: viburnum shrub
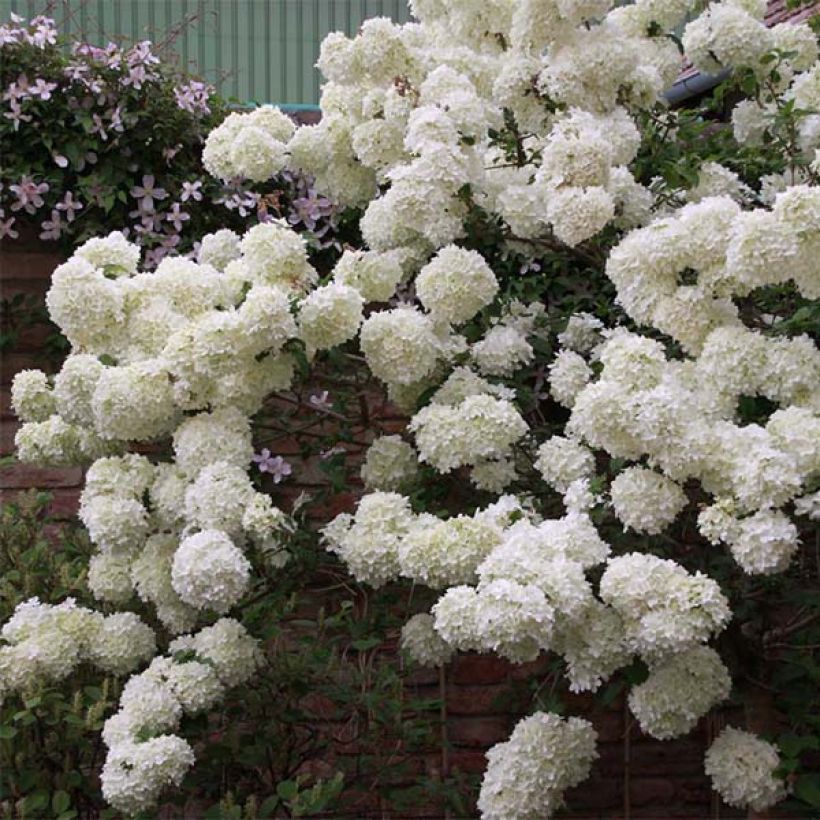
596,314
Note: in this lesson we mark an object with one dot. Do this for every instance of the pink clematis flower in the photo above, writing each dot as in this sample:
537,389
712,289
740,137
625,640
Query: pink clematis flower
70,206
29,194
52,228
177,217
148,192
276,466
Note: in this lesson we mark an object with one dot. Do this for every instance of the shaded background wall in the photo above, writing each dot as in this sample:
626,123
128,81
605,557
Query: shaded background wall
254,50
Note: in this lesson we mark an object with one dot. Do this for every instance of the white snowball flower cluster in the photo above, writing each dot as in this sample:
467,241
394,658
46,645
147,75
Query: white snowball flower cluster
664,608
478,428
113,254
646,501
515,620
249,145
681,416
42,643
223,435
561,461
111,505
275,255
217,499
679,691
569,374
389,464
209,571
582,333
145,756
503,350
531,589
422,643
218,249
32,398
330,316
442,553
593,646
151,578
456,284
369,541
745,250
375,275
742,769
400,346
528,774
764,543
187,352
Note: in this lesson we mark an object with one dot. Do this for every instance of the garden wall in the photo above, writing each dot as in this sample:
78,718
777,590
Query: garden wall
634,776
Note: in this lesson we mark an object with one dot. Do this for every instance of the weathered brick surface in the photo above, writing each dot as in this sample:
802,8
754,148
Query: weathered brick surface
23,476
476,669
26,269
478,731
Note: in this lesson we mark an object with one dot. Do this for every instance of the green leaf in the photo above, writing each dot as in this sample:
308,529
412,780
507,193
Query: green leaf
808,788
268,807
60,802
363,644
794,745
35,802
287,789
7,732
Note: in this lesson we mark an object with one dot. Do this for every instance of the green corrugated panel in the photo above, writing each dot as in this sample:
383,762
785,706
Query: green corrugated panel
262,50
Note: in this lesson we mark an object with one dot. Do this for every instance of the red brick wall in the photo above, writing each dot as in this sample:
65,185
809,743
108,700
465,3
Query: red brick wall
635,776
25,269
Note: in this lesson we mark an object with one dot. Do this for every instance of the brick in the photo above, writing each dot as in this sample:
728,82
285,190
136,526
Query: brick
28,264
595,793
478,700
421,676
673,759
34,339
478,731
532,669
651,791
339,503
12,286
479,669
8,429
17,476
693,789
358,802
16,361
680,757
468,761
581,703
64,504
609,725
